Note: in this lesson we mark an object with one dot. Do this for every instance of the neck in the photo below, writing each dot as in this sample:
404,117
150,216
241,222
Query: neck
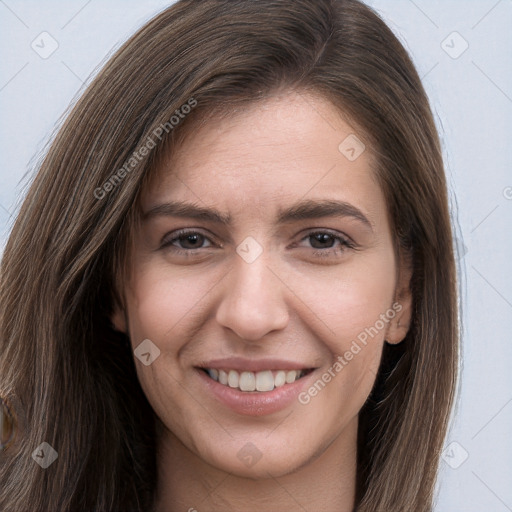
188,483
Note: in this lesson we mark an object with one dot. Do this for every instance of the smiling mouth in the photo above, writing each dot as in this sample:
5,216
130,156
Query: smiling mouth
263,381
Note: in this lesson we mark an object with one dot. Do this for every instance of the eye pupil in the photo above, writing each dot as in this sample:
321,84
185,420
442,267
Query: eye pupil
193,239
322,238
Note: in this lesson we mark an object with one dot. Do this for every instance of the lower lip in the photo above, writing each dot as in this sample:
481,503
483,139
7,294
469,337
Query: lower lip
255,403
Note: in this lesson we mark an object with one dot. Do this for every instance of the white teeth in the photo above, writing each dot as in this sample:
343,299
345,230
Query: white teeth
233,379
280,379
250,381
223,377
264,381
247,381
290,376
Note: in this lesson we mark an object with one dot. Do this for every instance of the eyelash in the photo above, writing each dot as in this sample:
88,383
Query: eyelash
344,242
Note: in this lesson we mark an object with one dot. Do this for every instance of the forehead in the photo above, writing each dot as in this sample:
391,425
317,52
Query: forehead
276,151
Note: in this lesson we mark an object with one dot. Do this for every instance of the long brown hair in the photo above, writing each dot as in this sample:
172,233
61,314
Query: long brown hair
69,377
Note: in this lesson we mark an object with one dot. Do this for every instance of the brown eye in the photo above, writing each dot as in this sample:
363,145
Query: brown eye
322,240
191,241
328,244
184,241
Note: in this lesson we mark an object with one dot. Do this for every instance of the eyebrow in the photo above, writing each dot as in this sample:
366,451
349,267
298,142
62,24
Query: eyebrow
303,210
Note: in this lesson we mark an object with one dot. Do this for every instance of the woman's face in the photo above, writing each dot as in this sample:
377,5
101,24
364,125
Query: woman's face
275,271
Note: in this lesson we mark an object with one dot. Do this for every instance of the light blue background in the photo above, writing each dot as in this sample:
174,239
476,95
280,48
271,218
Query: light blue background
472,100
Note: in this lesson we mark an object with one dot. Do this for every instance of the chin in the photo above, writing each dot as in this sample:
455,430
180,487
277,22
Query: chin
260,459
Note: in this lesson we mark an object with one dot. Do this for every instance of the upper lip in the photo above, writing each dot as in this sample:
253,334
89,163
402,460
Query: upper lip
241,364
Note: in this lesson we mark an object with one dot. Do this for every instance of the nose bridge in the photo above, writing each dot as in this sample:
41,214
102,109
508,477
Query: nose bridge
252,302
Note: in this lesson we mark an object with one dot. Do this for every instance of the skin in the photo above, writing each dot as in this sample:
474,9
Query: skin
300,300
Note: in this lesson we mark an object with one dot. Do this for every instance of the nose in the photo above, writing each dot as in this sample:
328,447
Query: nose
252,303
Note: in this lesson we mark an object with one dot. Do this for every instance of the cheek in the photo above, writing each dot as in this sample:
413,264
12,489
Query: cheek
350,303
166,308
352,312
162,305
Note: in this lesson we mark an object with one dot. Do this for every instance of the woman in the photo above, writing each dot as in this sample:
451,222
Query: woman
231,285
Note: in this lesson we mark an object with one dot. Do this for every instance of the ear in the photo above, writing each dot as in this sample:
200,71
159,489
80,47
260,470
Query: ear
399,326
119,319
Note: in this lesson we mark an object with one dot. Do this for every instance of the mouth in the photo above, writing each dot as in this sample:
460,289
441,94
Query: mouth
254,387
259,382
